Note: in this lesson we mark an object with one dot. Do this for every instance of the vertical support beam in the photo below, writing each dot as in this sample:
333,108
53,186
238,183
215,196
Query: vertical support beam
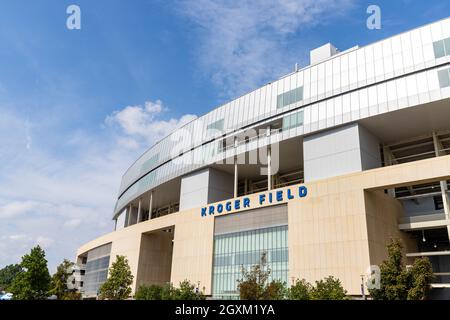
236,173
129,215
269,169
437,145
139,215
387,155
269,161
388,158
236,177
115,224
150,206
444,189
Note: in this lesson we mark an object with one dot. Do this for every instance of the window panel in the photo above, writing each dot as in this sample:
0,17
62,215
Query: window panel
290,97
447,46
444,78
439,49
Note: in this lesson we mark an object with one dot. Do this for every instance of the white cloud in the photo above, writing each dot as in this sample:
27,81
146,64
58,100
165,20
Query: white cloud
247,43
61,199
16,208
72,223
16,237
144,123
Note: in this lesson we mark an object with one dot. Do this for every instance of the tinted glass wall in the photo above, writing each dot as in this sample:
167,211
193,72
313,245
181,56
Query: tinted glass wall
234,251
96,269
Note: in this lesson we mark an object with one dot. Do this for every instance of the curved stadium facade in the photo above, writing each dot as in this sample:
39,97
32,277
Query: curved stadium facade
318,170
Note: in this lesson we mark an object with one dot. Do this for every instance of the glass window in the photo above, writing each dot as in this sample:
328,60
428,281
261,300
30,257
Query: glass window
227,265
290,97
293,120
217,125
447,46
439,50
444,78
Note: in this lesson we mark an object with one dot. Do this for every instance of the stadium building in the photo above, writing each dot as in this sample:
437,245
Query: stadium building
317,170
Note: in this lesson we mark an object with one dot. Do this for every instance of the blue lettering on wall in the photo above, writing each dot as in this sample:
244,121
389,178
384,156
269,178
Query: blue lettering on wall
302,191
262,198
246,202
289,194
237,204
280,195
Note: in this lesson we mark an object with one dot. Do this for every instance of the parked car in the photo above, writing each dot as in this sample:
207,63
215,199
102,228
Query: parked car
6,296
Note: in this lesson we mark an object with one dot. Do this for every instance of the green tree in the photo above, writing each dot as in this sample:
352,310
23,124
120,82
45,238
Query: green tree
328,289
8,274
59,282
168,292
118,284
400,283
254,283
300,290
421,275
151,292
186,291
275,290
34,282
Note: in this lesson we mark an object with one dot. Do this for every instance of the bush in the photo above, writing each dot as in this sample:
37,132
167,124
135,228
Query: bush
275,290
151,292
328,289
186,291
301,290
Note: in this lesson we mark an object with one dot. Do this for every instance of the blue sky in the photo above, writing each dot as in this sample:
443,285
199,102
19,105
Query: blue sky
77,107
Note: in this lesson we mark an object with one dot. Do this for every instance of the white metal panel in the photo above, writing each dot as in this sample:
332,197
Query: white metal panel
262,101
445,25
330,112
307,85
271,99
314,83
436,31
344,72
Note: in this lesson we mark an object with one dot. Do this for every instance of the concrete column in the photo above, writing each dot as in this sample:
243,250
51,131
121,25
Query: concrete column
269,169
115,224
235,177
139,215
387,155
129,215
150,206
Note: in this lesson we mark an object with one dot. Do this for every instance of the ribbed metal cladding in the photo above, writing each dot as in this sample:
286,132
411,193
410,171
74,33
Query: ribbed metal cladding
251,220
99,252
